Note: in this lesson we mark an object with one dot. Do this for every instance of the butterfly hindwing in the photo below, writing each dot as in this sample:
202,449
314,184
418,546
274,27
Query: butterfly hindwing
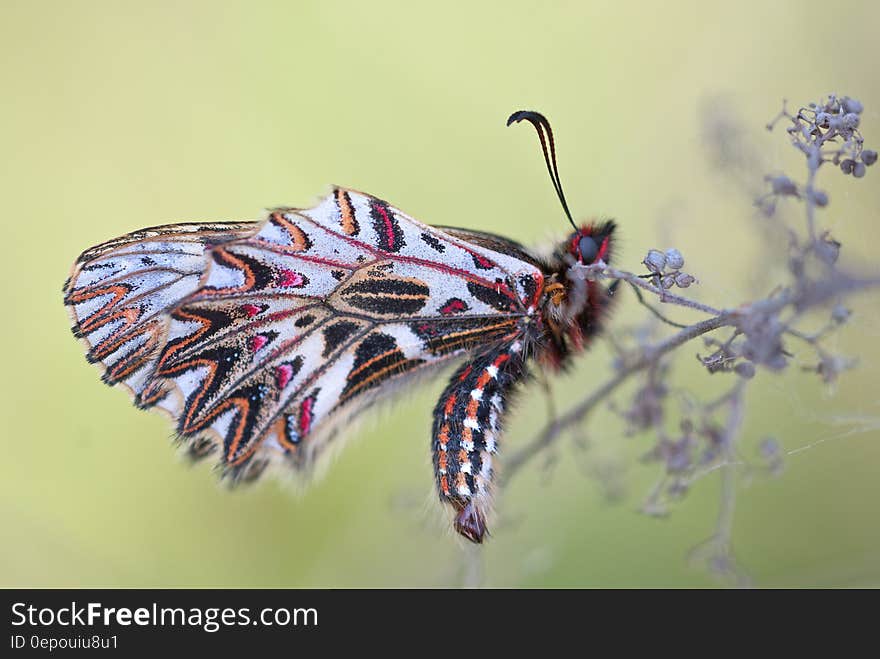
121,292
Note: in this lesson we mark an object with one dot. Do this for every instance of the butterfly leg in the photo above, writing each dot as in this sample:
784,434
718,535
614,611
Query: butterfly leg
467,423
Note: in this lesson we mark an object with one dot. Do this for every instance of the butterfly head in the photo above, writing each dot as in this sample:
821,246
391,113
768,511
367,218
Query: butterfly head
591,243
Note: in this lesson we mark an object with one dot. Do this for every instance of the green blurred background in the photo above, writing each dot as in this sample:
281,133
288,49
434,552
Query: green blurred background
120,115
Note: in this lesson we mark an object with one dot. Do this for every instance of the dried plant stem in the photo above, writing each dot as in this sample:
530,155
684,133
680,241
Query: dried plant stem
814,159
717,550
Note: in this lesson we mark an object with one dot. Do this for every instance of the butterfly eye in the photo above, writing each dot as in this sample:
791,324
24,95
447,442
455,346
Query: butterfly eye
588,248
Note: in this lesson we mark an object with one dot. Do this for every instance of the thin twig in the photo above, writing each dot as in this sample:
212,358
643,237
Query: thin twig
607,272
648,357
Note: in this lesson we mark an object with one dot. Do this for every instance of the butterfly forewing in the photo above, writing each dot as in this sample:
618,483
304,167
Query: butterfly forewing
263,336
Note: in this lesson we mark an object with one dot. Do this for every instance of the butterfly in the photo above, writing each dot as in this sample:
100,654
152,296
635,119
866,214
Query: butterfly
261,338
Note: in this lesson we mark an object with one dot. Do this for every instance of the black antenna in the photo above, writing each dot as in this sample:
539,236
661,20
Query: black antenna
539,121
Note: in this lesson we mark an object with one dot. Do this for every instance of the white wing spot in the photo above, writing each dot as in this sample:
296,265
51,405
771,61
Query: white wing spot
189,380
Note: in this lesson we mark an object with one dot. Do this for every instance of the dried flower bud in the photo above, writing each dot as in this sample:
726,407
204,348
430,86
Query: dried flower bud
836,123
828,249
655,261
745,370
851,105
851,120
770,451
679,455
667,281
840,314
869,157
820,198
846,166
683,279
674,259
777,362
783,185
763,343
832,366
859,170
